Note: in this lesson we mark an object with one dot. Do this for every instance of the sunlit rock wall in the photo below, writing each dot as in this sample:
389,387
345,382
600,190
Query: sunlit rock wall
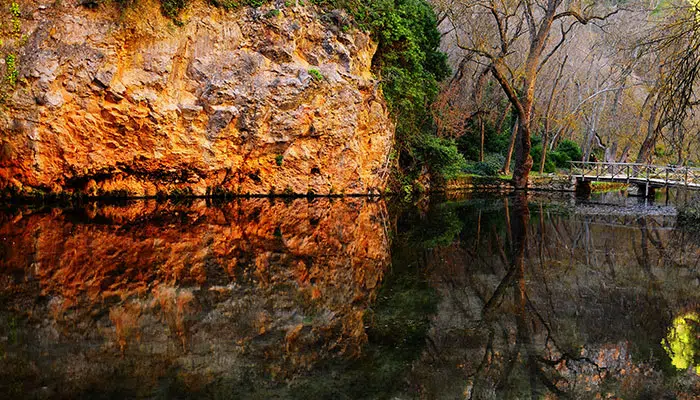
111,102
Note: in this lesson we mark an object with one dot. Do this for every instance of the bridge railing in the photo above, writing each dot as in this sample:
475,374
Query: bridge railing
666,174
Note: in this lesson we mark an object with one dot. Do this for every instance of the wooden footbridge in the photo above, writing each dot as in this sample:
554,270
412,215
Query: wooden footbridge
647,177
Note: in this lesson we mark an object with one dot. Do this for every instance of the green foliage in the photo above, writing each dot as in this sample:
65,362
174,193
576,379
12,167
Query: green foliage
11,67
689,216
15,13
489,167
536,153
409,66
274,13
316,74
441,154
172,8
279,159
233,4
469,144
566,151
14,10
570,150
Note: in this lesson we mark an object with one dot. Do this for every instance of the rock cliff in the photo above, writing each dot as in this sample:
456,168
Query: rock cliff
252,101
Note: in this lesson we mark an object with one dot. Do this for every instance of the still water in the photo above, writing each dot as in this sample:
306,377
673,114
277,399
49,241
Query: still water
495,297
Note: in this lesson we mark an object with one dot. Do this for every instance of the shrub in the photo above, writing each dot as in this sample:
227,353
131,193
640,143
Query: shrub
441,154
409,65
274,13
15,13
689,217
316,74
566,151
536,153
570,151
11,67
489,167
172,8
481,168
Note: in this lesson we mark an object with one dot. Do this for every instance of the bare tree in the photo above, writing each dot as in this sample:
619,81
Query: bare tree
493,30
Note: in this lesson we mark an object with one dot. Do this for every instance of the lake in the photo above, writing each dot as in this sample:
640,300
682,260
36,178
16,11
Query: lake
463,296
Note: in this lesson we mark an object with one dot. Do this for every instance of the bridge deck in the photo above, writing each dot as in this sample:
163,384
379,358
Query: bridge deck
640,174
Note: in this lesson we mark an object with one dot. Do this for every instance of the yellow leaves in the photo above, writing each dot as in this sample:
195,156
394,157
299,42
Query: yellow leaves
682,343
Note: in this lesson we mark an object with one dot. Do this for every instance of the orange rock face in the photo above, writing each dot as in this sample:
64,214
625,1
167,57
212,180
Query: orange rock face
247,101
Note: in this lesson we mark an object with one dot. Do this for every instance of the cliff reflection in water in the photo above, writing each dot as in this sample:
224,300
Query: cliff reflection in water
479,298
147,297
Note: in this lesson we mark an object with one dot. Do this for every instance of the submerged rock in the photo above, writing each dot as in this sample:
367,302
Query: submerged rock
138,106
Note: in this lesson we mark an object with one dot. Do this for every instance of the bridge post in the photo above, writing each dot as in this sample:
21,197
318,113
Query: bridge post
583,188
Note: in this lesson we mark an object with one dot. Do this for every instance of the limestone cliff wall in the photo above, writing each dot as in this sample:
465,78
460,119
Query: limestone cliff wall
255,101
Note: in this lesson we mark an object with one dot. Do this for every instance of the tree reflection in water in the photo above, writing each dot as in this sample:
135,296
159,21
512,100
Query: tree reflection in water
539,301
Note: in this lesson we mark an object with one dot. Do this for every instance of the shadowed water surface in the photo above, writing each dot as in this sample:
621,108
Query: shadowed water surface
482,298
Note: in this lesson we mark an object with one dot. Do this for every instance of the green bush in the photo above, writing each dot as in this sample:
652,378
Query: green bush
274,13
12,71
491,165
441,154
481,168
409,65
469,144
689,217
566,151
172,8
536,153
316,74
560,160
233,4
570,151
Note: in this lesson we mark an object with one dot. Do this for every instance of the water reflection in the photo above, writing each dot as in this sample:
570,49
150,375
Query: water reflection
480,298
146,299
538,300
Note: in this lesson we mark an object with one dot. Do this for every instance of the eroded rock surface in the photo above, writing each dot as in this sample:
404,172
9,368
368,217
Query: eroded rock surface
246,101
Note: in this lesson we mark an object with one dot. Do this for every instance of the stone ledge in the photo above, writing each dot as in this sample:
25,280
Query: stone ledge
551,183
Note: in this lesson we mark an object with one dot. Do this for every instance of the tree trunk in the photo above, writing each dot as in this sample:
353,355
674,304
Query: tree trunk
481,150
592,129
547,118
503,119
513,135
523,160
544,146
644,154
